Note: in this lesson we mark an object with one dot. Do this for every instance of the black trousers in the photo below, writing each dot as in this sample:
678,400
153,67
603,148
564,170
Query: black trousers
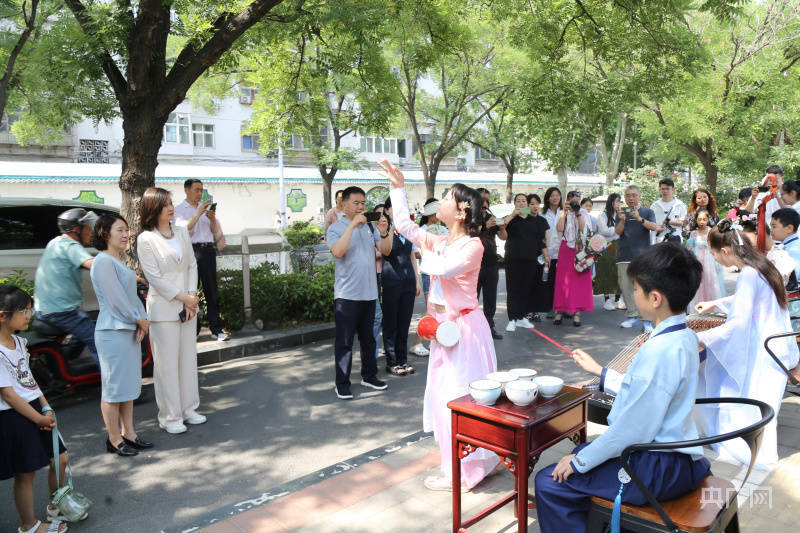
487,281
398,307
354,316
206,257
520,281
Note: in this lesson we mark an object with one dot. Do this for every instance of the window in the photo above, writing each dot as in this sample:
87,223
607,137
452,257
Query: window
203,135
296,142
92,151
247,95
480,153
7,120
176,130
378,145
32,226
323,135
250,143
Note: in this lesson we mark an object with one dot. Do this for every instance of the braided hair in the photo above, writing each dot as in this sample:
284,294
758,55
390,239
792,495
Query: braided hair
473,219
727,234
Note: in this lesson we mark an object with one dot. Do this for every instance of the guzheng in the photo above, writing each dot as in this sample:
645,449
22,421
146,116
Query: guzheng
600,403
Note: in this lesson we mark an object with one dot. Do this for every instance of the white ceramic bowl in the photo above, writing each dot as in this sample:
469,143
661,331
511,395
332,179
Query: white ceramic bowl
522,392
502,377
549,386
485,391
526,374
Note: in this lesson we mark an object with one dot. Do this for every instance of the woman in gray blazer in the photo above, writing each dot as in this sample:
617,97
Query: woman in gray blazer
167,259
121,326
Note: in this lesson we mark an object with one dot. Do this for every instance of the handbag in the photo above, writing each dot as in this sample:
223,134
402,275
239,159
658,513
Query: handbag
589,253
73,505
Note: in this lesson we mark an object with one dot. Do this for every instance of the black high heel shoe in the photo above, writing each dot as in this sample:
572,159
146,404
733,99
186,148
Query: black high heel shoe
122,450
557,321
137,443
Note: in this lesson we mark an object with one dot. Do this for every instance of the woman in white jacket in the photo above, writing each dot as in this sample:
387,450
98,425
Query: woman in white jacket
168,262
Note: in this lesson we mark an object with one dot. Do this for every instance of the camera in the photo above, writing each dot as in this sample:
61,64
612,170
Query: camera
373,216
763,188
575,206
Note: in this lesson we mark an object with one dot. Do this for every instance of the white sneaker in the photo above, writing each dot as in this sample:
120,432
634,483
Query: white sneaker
173,428
223,336
609,305
629,323
512,325
621,304
420,350
195,418
524,323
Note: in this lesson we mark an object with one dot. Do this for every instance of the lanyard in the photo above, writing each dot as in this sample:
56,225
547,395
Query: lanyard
670,329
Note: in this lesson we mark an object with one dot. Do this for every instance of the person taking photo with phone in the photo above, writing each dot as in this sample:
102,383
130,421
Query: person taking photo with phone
204,229
633,227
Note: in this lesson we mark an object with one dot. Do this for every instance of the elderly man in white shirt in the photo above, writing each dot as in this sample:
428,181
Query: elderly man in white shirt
204,229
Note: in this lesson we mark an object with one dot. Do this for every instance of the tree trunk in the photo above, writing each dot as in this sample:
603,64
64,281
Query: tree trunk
430,177
143,131
711,177
611,159
327,185
509,179
561,172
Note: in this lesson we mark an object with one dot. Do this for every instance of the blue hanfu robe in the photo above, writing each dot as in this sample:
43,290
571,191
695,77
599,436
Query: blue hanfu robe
654,403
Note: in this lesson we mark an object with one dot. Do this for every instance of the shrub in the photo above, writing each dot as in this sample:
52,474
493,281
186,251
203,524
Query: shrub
277,298
303,233
20,279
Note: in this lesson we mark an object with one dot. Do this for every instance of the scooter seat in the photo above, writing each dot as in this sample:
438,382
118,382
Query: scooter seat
46,329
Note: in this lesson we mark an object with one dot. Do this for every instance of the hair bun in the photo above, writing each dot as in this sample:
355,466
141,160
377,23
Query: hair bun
724,225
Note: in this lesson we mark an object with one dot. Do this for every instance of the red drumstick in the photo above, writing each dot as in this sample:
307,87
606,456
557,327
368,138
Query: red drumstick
545,337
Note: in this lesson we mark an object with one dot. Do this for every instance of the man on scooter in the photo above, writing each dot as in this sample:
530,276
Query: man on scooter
58,289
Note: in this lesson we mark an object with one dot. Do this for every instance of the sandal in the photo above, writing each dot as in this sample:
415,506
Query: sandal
52,527
408,368
442,483
396,370
558,319
54,515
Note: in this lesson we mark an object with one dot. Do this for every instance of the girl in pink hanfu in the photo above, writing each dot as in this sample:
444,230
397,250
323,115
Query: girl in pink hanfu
712,284
453,261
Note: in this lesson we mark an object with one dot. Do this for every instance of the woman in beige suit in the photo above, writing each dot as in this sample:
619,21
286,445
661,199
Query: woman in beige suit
165,253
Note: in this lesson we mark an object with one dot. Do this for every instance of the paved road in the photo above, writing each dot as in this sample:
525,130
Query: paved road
272,419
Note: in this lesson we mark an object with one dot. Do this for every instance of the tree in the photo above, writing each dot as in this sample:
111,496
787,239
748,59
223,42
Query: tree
126,48
501,134
740,107
21,17
326,85
591,62
445,84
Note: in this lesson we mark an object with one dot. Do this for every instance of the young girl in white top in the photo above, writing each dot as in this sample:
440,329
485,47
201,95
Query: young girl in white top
26,419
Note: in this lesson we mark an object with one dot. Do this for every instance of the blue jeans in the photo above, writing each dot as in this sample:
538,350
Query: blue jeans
76,322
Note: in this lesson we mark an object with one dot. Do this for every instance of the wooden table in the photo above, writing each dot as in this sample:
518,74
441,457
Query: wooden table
518,435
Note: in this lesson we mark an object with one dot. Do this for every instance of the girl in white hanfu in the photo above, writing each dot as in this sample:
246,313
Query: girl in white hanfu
453,261
737,364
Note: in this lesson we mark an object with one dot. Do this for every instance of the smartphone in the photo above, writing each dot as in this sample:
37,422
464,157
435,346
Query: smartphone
373,216
182,315
213,206
525,210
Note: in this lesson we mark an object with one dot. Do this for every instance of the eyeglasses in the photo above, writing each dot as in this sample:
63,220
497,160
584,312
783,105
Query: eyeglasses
25,312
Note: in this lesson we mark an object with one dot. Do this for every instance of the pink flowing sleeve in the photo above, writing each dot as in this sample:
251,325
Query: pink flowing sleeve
405,226
467,258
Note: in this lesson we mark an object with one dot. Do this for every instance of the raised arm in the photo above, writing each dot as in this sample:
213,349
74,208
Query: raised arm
402,219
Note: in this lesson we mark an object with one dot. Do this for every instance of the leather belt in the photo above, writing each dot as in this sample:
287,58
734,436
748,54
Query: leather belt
202,244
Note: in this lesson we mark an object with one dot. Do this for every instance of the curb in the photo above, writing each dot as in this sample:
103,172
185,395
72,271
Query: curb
298,484
210,353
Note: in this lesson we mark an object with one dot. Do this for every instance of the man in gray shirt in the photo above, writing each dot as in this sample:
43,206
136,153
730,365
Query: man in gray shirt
355,289
634,227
